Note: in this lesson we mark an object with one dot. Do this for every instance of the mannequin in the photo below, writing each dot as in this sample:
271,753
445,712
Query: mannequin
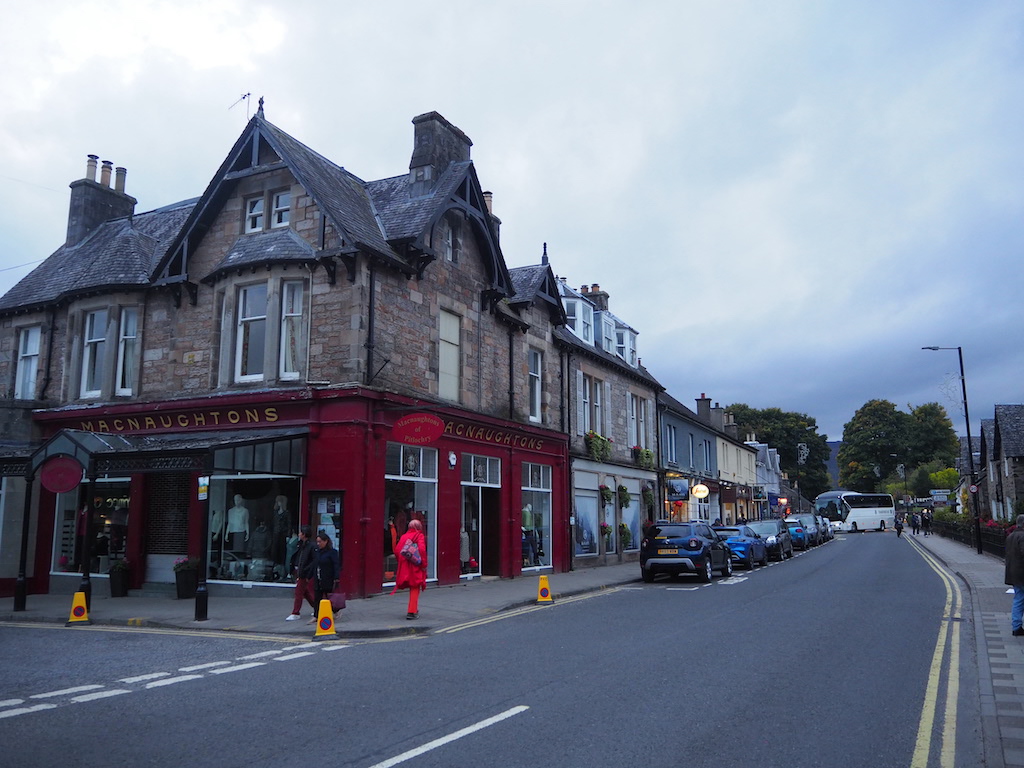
280,524
464,549
238,525
529,537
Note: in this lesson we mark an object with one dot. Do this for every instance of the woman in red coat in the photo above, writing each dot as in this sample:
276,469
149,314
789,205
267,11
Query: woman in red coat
412,575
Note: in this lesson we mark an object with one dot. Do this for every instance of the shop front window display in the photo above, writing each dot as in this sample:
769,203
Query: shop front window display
536,512
586,529
410,493
254,528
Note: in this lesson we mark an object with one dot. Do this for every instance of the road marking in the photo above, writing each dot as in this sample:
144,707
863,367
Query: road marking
143,678
65,691
281,639
332,647
26,710
208,665
100,695
261,654
451,737
238,668
11,702
524,611
733,580
949,630
681,589
291,656
172,681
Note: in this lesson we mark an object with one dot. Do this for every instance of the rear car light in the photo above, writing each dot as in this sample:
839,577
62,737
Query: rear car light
693,544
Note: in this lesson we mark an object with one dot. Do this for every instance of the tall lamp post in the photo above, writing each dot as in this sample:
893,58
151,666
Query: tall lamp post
970,447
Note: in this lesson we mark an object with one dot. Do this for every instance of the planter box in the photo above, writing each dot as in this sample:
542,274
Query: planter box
186,583
118,583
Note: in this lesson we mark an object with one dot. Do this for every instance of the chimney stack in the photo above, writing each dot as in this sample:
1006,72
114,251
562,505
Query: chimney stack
436,145
489,201
599,297
94,202
704,408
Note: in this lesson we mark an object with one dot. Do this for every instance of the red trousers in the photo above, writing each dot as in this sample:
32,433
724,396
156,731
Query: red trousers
414,600
303,589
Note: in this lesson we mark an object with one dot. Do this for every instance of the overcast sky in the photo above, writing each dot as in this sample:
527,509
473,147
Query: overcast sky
787,199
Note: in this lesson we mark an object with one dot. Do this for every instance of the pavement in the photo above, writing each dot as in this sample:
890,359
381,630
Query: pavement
1000,655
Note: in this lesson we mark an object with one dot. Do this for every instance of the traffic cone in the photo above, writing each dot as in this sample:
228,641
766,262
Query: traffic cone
325,622
79,611
543,591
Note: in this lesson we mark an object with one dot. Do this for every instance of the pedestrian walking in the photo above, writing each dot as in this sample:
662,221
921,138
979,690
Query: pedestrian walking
1015,574
412,566
304,568
327,569
915,523
899,527
926,521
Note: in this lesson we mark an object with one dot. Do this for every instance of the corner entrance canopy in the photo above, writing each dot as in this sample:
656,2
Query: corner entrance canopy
276,451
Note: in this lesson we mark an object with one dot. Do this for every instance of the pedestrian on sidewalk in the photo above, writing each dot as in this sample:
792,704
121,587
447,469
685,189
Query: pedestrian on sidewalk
412,566
926,521
899,526
327,569
304,567
915,523
1015,574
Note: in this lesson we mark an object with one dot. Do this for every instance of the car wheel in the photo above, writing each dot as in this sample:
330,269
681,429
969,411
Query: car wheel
727,571
750,560
707,574
647,575
764,557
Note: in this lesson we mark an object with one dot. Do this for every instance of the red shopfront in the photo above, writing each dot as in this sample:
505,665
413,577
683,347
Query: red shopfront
491,492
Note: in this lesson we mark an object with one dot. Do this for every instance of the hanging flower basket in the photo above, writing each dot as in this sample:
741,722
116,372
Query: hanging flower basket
648,496
624,498
606,531
625,535
607,497
598,446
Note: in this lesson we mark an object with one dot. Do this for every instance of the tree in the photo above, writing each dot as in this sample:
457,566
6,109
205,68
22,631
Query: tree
931,436
873,441
784,431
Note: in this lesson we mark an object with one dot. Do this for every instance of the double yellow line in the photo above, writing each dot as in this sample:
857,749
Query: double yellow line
949,634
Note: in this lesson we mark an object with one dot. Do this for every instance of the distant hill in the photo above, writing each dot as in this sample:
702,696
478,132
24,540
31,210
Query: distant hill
832,465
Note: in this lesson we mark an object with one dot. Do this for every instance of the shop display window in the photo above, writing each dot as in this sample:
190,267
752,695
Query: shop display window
536,511
410,493
585,531
109,504
254,528
481,505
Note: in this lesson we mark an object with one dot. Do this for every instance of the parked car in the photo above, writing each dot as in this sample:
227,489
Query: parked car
811,525
798,533
825,526
776,536
746,545
684,548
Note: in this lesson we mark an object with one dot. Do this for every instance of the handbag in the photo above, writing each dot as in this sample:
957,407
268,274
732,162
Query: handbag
411,552
337,601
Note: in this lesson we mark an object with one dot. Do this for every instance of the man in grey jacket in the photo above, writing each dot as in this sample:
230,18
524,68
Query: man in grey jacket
1015,574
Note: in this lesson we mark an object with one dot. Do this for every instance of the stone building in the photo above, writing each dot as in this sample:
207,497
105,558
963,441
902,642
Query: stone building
294,346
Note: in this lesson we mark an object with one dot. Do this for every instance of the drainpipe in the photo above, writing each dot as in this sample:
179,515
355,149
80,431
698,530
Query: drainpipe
511,374
49,354
371,309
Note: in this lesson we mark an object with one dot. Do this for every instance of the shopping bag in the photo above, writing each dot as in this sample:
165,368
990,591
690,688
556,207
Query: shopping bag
337,601
411,552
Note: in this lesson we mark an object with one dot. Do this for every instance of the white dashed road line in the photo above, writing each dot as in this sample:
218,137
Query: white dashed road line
26,710
237,668
172,681
100,695
65,691
209,665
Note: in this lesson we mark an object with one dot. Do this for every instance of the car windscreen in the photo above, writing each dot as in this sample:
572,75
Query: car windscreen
670,531
794,524
729,531
764,528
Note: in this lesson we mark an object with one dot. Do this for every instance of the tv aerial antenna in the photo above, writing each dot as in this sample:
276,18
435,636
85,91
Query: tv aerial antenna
247,98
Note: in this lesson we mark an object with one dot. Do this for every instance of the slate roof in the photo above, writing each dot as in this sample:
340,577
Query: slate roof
405,217
526,281
1010,421
118,253
138,250
678,407
569,338
275,246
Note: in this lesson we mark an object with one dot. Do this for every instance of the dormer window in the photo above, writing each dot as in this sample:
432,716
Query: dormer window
452,246
254,214
580,318
608,335
282,207
625,345
278,203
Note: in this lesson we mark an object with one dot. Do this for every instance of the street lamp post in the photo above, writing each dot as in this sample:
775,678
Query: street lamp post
970,447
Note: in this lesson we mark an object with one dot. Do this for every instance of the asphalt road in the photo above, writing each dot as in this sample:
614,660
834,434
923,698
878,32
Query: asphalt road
827,659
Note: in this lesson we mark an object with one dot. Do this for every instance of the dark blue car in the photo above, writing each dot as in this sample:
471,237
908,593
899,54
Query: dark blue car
747,547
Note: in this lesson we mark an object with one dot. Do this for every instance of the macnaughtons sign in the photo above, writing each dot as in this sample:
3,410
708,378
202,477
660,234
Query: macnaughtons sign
425,428
418,429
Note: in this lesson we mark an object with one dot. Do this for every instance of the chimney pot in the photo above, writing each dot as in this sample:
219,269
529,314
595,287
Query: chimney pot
595,288
105,173
489,201
90,167
584,289
119,175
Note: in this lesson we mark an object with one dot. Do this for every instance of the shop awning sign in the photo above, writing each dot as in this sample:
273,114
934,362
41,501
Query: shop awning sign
418,429
61,474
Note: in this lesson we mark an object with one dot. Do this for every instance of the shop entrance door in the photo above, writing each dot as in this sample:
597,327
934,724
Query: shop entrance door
490,534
